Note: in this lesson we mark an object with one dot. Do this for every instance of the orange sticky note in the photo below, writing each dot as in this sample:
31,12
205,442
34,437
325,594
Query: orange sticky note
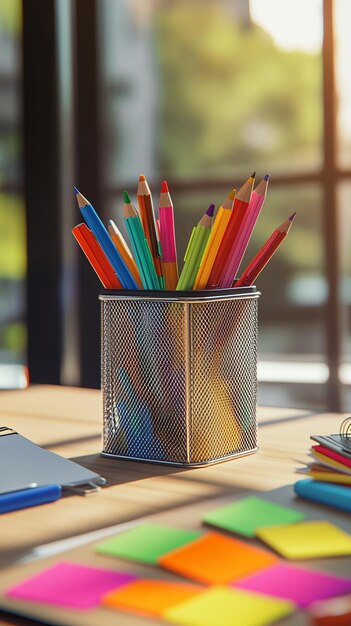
216,559
150,597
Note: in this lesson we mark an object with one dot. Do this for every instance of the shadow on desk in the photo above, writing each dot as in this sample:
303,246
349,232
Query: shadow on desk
122,471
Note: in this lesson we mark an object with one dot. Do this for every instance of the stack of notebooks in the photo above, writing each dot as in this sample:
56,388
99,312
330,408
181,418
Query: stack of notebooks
329,472
330,460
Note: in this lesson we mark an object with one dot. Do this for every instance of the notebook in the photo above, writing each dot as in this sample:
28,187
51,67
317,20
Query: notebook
22,463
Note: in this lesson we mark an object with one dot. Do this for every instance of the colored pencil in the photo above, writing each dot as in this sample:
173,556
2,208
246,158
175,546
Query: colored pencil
216,236
124,251
147,217
244,233
264,255
195,250
105,241
167,237
229,240
96,256
140,245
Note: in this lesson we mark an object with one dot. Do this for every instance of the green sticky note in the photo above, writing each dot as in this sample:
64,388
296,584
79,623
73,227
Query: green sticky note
247,515
147,542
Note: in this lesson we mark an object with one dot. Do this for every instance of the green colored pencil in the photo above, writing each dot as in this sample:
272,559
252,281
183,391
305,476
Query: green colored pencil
195,250
140,246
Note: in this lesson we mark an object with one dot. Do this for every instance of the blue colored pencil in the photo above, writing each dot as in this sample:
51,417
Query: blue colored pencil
96,226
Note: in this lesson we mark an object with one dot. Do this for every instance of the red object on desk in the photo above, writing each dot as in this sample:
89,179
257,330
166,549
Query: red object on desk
335,612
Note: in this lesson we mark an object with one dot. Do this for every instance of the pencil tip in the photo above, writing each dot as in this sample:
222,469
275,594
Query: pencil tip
292,217
210,210
142,178
75,190
253,175
266,177
231,195
126,197
164,186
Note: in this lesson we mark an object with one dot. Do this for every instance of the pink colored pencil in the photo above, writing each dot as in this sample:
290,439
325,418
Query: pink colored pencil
167,238
256,203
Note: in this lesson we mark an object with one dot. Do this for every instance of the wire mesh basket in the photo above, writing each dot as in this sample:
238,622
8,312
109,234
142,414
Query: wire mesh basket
179,375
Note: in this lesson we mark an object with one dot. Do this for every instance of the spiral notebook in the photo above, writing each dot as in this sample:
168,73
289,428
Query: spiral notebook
22,463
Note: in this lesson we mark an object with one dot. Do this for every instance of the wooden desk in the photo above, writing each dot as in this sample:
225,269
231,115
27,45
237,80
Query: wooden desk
68,421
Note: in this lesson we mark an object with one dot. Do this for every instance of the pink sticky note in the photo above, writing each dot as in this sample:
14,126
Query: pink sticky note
301,586
71,585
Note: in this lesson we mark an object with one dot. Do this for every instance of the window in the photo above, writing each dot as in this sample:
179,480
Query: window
202,92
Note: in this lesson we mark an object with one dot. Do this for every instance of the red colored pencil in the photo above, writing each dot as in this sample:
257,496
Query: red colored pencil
225,251
264,255
96,256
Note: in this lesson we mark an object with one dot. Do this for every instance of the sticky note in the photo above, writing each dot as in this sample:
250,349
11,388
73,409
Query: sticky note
71,585
301,586
307,540
227,607
147,542
216,559
150,597
245,515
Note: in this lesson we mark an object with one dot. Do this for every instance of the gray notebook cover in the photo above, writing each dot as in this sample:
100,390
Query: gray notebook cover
23,462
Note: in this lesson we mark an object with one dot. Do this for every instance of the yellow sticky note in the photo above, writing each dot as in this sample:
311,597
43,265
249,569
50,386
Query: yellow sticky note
228,607
306,540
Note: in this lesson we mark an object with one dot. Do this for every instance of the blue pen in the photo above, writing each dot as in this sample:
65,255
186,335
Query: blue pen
29,496
96,226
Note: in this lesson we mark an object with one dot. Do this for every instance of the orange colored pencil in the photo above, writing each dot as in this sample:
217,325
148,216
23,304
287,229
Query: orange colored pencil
224,253
147,217
96,256
124,251
219,227
264,255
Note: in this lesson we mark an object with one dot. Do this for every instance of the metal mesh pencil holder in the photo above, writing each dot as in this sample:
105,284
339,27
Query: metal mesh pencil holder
179,375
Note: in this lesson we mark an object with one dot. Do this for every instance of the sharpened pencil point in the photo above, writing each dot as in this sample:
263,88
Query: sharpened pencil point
292,217
253,175
126,197
266,177
142,177
164,186
76,190
231,194
210,210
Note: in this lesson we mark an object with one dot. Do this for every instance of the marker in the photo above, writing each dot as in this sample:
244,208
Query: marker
30,496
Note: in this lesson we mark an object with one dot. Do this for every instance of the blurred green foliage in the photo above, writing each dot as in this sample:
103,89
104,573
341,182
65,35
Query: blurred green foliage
14,337
230,98
11,16
12,237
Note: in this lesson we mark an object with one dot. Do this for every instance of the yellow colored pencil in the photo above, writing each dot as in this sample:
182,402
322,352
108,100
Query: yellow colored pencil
124,251
219,226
